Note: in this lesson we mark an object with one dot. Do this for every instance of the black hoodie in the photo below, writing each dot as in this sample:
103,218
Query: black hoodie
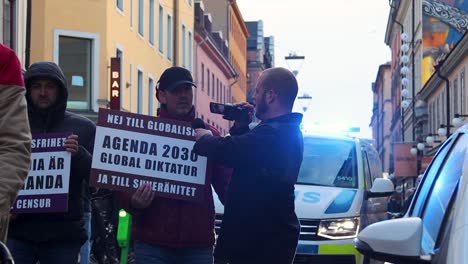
66,226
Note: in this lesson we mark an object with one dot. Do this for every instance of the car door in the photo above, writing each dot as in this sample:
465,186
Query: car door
435,196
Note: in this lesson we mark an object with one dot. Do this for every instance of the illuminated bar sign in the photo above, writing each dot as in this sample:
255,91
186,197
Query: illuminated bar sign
115,84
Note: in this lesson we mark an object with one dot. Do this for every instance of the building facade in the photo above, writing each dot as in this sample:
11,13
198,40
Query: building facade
382,115
227,19
147,36
13,21
213,72
260,54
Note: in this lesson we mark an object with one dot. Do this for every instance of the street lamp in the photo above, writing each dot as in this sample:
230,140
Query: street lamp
457,121
294,62
307,98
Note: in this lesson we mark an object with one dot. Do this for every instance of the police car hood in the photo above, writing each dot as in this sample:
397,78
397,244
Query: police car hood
318,202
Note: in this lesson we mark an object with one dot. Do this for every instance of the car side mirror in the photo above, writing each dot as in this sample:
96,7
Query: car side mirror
395,241
380,188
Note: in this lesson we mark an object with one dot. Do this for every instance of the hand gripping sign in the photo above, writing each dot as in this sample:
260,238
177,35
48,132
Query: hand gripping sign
47,185
131,150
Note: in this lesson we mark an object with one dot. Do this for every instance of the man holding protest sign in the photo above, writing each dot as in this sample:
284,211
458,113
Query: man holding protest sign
259,223
54,237
15,135
169,230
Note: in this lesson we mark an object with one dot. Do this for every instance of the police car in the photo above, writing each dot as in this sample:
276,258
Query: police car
340,190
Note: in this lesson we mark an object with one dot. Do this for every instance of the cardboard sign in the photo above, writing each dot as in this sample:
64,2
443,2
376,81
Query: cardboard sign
131,150
47,185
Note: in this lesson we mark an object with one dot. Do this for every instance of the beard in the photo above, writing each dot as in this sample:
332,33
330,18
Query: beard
260,108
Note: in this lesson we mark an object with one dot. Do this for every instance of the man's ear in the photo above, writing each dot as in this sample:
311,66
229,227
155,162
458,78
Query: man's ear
270,96
161,96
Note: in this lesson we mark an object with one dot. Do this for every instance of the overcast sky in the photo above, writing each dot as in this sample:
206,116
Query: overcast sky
343,44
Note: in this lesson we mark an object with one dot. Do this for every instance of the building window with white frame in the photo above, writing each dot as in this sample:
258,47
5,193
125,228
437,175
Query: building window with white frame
184,44
150,96
131,14
141,20
455,96
9,23
190,47
202,77
161,29
151,22
120,4
75,56
462,91
169,37
140,91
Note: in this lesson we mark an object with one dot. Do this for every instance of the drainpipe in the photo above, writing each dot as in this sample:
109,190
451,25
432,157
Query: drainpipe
413,82
402,30
447,97
175,56
196,65
27,59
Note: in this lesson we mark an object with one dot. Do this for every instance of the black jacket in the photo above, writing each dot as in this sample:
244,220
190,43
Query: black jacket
68,225
259,223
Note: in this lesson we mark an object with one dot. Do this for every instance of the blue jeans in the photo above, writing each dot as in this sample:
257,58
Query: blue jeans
151,254
86,248
57,252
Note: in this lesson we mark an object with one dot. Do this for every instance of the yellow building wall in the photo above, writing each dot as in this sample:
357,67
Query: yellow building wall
138,53
186,17
115,29
238,53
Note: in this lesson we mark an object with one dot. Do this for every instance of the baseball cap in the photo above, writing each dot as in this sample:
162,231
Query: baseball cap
172,77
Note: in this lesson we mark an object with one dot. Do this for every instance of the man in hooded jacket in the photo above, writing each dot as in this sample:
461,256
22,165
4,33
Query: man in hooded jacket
15,136
54,237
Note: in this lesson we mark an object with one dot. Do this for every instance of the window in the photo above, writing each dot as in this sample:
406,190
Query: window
9,26
367,171
329,162
455,96
217,90
441,193
208,82
140,17
151,22
212,86
202,77
184,44
130,80
75,57
190,51
140,91
119,4
462,91
161,29
151,96
131,13
169,37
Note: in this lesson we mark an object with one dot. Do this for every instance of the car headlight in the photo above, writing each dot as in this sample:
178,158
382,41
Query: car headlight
339,228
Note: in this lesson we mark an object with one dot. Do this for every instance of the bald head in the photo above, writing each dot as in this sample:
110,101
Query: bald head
283,82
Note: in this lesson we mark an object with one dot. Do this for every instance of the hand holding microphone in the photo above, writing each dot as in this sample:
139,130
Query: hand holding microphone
200,128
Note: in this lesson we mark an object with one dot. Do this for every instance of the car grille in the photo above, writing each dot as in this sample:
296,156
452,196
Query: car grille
335,259
218,220
309,230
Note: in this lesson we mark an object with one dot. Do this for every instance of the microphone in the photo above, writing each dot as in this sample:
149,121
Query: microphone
198,123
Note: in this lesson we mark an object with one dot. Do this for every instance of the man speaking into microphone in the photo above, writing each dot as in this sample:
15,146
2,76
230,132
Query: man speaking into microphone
259,223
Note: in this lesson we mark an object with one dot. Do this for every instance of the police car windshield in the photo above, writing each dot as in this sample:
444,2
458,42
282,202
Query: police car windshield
329,162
